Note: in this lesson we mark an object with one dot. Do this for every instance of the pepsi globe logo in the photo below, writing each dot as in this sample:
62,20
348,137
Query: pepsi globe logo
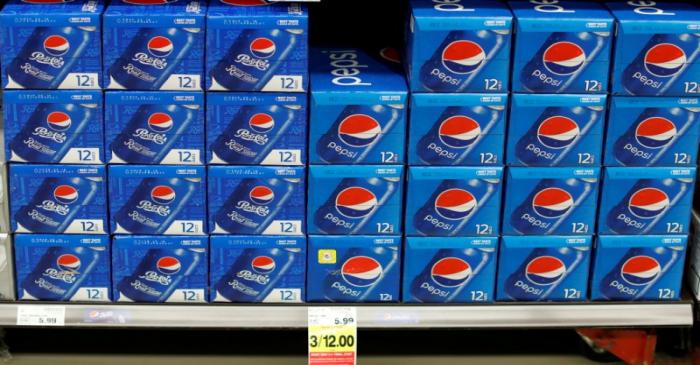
160,46
552,202
160,122
664,60
355,202
459,131
261,123
68,262
648,203
246,2
450,272
261,195
564,58
390,54
558,132
263,265
58,121
262,47
56,45
65,194
163,194
463,57
168,265
545,270
361,271
455,204
640,270
655,132
359,130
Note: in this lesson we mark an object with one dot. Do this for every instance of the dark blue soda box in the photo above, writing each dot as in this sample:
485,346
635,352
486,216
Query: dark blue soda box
54,126
58,199
652,131
51,44
556,130
160,269
358,108
550,201
453,201
450,270
657,47
63,267
646,201
347,269
169,200
547,268
257,200
457,129
154,45
154,127
254,269
256,129
257,48
638,268
355,200
562,46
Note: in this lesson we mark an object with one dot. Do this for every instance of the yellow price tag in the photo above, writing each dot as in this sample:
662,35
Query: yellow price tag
332,335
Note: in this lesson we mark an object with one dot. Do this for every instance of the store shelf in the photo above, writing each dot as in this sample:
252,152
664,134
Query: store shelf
679,314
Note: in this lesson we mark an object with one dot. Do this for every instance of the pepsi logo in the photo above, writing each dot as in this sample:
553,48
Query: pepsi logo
664,60
640,270
655,132
149,2
68,262
359,130
65,194
459,131
455,204
56,45
262,47
163,194
168,265
361,271
557,132
463,57
648,203
246,2
450,272
564,58
40,2
545,270
160,122
261,195
355,202
160,46
58,121
390,54
263,264
261,122
552,202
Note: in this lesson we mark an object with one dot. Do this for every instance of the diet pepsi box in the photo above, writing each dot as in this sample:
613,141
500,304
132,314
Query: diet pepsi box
256,129
629,268
562,46
154,45
51,44
347,269
453,201
556,130
544,268
54,126
657,47
154,127
450,270
257,200
63,267
169,200
458,46
646,201
257,48
550,201
160,269
7,268
652,131
358,109
254,269
58,199
355,200
457,129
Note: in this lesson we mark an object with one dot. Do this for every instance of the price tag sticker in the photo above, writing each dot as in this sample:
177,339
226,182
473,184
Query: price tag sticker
332,336
41,315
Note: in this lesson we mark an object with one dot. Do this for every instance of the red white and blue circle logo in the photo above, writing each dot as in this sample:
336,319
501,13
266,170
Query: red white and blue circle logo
640,270
463,57
263,265
552,202
58,121
160,122
564,58
359,130
655,132
459,131
450,272
160,46
558,132
56,45
163,194
68,262
361,271
246,2
168,265
261,195
355,202
261,122
390,54
455,204
262,47
65,194
648,203
545,270
664,60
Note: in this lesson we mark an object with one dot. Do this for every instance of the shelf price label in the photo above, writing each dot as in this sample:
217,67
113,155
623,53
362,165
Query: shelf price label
332,336
41,315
